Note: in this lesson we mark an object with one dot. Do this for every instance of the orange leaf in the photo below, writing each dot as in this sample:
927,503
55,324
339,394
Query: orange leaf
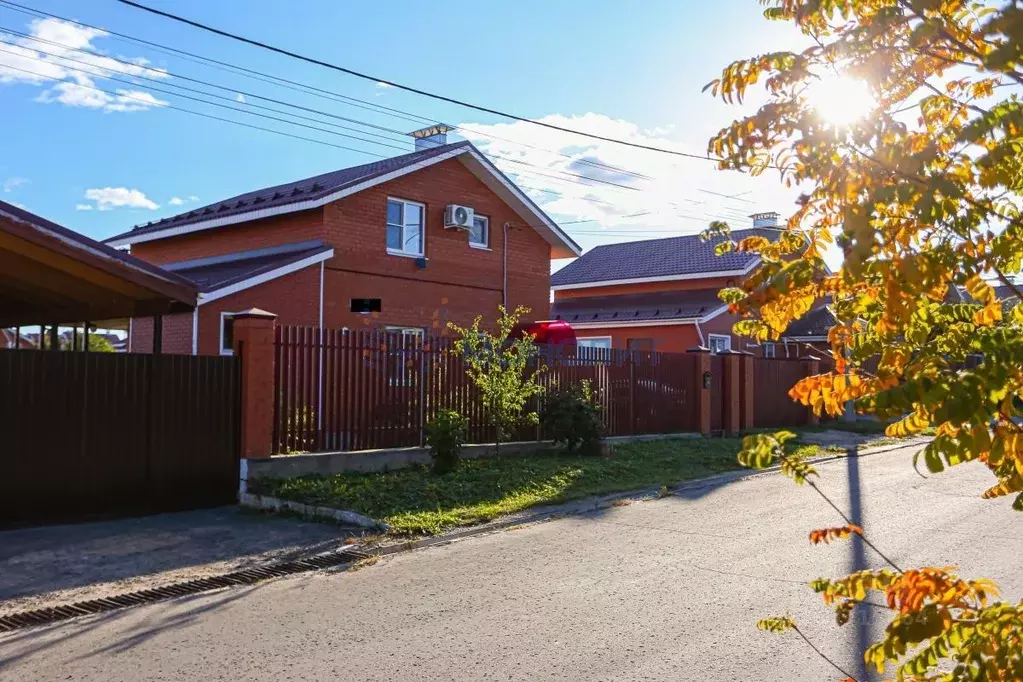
826,535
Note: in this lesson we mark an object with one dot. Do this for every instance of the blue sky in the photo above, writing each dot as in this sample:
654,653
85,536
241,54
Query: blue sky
102,163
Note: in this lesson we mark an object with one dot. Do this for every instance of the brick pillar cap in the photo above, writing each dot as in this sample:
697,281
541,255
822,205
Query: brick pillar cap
810,357
698,349
255,313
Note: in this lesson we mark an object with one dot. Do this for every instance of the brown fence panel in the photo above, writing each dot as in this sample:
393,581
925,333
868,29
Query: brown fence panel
772,406
88,434
358,390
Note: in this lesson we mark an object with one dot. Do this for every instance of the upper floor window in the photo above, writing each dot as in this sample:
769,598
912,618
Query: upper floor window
479,235
405,227
719,343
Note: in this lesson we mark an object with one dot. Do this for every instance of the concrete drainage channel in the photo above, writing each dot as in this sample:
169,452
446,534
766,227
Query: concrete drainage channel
250,576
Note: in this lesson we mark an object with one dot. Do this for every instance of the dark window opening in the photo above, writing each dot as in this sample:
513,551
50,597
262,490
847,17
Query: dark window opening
365,305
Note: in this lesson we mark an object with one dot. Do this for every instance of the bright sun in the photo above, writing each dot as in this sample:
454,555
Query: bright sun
840,100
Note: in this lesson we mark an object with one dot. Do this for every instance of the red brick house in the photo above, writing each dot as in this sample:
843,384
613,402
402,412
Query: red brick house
657,294
407,244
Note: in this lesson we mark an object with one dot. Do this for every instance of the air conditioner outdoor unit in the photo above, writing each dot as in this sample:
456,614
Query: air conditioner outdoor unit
458,217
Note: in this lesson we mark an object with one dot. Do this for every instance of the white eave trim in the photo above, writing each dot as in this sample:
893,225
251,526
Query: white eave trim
666,278
804,338
209,296
649,323
555,236
639,323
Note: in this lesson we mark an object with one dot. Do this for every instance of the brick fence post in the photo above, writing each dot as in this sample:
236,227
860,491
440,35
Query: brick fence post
746,392
701,388
732,386
811,366
254,343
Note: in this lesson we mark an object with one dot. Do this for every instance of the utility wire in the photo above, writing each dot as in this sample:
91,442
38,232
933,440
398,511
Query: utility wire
424,93
305,89
297,86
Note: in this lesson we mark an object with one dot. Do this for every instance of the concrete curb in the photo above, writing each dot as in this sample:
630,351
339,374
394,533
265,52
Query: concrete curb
273,504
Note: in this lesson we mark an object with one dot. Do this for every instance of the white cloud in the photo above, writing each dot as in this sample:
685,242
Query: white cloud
11,184
109,198
83,207
619,181
176,201
239,98
42,64
82,95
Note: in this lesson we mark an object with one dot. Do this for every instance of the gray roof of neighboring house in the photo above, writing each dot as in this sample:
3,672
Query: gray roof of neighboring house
816,322
660,305
217,272
652,258
306,189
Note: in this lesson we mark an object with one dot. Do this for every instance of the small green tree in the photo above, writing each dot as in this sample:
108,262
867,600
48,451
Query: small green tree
498,365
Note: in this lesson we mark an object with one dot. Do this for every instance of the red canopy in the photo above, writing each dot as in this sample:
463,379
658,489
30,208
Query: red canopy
554,332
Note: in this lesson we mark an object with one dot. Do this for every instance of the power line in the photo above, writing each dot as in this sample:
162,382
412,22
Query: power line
326,94
424,93
297,86
285,113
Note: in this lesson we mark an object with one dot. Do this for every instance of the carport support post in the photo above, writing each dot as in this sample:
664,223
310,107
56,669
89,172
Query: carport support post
701,389
254,344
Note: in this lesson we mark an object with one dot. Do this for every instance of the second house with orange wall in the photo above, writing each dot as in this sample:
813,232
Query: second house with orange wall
658,294
406,244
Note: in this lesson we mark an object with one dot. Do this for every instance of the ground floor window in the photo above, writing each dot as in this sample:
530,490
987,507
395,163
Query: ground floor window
769,350
227,333
719,343
590,347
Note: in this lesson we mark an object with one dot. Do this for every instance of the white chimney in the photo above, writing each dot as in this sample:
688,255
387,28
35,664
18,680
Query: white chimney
434,136
768,219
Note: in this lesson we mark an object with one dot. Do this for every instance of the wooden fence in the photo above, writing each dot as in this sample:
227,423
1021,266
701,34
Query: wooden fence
357,390
102,433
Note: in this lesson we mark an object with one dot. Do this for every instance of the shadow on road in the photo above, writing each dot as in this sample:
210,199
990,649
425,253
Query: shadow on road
34,561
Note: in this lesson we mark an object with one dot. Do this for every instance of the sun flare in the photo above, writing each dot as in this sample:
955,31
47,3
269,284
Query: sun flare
840,100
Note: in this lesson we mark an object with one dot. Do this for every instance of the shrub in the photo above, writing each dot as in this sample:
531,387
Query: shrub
572,417
445,435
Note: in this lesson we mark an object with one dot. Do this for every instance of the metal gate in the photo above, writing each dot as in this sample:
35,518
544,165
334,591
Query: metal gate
97,434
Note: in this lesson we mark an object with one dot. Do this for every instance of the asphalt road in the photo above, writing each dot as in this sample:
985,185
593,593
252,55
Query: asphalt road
662,590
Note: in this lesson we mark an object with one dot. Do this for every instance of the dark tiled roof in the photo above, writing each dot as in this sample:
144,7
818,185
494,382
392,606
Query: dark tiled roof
217,272
661,305
817,322
307,189
656,258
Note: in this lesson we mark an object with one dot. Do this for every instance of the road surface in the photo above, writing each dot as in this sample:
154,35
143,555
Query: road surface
662,590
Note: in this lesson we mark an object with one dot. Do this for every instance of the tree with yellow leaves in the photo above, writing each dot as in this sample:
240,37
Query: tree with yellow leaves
925,194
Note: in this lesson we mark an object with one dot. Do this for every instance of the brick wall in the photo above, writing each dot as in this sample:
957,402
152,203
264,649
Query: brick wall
457,283
294,298
286,229
668,338
177,334
356,226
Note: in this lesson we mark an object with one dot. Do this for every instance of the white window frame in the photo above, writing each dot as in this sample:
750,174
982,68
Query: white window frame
422,229
418,332
224,314
485,244
711,338
772,348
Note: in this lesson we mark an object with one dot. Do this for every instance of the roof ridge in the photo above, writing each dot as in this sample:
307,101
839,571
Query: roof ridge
254,196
